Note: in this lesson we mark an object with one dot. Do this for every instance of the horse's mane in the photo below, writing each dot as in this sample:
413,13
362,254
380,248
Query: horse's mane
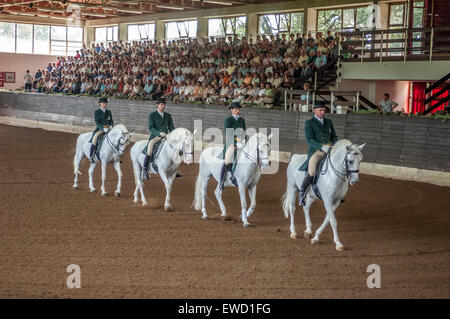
121,127
171,136
340,144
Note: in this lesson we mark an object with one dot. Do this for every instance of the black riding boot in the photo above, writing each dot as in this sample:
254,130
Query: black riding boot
91,154
232,178
145,167
306,182
223,171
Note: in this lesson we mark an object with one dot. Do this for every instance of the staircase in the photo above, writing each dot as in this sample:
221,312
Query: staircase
441,97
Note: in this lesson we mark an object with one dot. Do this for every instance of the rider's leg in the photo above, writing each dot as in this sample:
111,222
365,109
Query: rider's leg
94,145
148,159
227,163
312,164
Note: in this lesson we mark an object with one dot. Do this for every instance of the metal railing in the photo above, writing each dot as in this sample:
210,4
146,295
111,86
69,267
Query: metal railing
336,101
423,44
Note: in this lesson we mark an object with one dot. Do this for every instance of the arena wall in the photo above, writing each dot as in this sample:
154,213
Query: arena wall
397,147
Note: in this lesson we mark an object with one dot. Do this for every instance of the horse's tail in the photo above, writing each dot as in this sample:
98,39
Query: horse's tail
198,189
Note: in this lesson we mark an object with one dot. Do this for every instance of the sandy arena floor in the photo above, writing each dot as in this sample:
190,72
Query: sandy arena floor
126,251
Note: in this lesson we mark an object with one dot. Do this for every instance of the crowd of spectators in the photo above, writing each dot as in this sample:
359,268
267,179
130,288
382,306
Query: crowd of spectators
212,71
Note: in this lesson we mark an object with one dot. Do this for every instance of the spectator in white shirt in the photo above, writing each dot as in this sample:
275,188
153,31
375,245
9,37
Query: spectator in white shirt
387,105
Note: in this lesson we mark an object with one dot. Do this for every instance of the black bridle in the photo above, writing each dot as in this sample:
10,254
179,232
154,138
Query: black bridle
116,148
342,176
180,151
259,160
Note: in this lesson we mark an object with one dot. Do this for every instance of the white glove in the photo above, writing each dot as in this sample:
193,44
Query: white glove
325,148
106,130
162,134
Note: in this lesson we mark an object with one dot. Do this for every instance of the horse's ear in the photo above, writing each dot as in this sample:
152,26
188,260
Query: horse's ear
269,138
361,146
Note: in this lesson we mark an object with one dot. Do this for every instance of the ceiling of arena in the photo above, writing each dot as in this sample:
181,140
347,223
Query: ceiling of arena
101,9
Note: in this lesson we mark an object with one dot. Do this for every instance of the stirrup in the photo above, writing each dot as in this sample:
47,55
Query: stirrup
144,174
302,199
233,180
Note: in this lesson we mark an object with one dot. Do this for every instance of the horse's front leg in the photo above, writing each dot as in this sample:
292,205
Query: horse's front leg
91,177
308,231
104,164
331,208
119,177
168,181
243,205
252,194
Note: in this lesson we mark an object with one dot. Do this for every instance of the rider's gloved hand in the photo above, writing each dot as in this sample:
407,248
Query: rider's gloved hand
326,148
162,134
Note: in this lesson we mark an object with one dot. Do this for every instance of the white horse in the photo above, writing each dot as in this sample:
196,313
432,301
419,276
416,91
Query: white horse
253,156
114,145
178,146
340,168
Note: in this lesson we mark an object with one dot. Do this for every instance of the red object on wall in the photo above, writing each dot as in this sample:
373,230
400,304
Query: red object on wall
2,83
2,76
440,108
418,97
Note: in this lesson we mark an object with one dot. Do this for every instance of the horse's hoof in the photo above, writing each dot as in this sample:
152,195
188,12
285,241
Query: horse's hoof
307,235
313,241
294,236
246,224
168,208
135,200
93,190
75,188
144,204
205,217
104,194
116,194
340,247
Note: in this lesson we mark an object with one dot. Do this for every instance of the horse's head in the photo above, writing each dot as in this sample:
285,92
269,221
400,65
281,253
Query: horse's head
121,138
259,146
182,141
351,162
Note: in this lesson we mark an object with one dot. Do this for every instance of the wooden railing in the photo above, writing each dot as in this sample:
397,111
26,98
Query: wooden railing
395,44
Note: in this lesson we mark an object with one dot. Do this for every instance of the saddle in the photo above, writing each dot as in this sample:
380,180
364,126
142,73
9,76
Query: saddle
317,174
155,152
100,141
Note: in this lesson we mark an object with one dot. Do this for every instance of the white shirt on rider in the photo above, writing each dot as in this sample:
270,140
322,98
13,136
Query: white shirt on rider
319,119
161,113
236,117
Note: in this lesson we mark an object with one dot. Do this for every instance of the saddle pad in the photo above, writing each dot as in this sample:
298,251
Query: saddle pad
156,148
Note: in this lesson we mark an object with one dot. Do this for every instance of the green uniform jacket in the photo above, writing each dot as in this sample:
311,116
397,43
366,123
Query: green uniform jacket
158,124
231,122
102,119
317,135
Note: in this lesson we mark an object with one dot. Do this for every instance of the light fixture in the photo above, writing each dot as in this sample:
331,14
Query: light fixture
93,14
216,2
128,11
167,7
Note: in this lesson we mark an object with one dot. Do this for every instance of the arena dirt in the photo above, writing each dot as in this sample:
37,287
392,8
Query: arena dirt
126,251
